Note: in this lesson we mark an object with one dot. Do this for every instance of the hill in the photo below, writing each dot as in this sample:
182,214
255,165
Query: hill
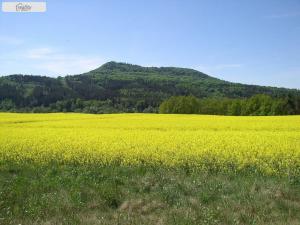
120,87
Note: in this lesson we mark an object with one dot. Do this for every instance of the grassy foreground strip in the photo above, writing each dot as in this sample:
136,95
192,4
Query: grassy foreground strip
74,194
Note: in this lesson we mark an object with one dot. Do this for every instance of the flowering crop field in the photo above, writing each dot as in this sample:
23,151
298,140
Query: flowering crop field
270,145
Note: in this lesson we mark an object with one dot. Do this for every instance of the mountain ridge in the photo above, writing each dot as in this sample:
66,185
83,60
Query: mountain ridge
112,65
126,86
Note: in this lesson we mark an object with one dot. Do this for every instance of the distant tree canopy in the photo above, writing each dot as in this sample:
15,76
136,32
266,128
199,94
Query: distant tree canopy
258,105
121,87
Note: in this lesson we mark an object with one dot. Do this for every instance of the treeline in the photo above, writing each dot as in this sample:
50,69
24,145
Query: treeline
80,106
258,105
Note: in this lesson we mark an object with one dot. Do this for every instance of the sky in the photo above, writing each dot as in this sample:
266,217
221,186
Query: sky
252,42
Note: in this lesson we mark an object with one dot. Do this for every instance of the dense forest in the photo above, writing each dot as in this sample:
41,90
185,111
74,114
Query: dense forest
121,87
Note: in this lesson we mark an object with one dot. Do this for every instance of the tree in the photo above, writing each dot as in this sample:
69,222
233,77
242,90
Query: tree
180,105
7,105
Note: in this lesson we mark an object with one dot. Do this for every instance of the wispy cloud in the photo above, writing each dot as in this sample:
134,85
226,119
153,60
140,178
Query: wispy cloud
283,15
59,63
213,69
224,66
71,64
39,53
47,61
7,40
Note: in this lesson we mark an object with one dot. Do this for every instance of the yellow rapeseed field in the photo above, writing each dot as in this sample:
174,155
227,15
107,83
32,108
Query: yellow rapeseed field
267,144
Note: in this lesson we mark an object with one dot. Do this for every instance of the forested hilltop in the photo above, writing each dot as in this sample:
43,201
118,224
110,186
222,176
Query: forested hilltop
121,87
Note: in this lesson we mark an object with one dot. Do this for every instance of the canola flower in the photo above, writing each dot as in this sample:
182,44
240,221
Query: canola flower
267,144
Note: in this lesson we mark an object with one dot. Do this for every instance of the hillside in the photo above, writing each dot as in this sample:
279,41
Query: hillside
121,87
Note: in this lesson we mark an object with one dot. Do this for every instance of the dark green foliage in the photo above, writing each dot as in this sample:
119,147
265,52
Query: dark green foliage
258,105
120,87
181,105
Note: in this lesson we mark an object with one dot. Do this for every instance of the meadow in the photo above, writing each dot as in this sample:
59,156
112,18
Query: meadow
131,168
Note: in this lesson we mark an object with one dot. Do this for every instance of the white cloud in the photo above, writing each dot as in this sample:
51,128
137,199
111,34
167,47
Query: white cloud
47,61
6,40
71,64
56,63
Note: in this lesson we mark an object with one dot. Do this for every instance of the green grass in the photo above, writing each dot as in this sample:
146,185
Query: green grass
72,194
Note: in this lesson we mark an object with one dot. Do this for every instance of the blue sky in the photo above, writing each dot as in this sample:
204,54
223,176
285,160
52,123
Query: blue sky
254,42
